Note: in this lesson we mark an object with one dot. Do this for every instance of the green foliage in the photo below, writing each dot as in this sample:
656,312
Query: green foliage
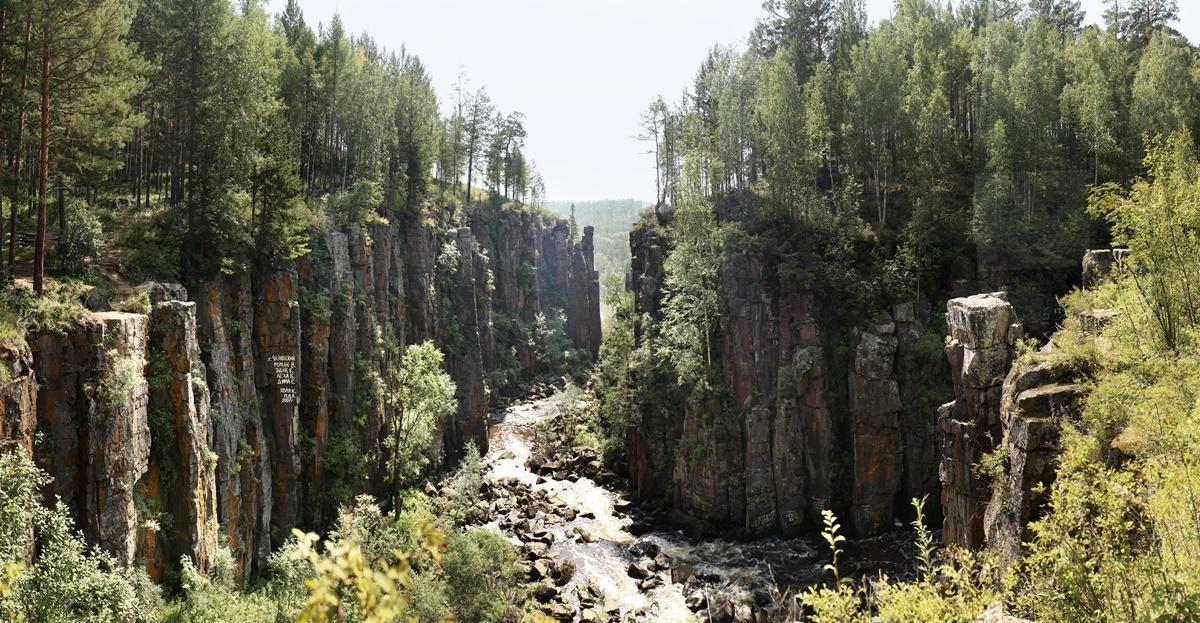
62,580
482,578
692,304
120,379
422,396
1158,219
83,237
555,352
462,490
616,390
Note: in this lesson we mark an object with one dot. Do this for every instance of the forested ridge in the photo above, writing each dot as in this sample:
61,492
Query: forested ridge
224,133
908,333
857,222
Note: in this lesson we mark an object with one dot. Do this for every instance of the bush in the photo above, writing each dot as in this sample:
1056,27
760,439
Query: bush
482,577
83,239
462,490
61,579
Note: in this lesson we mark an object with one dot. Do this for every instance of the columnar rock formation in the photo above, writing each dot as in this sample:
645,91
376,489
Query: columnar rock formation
18,396
875,409
257,408
92,403
983,333
1020,418
761,458
182,478
568,283
1036,394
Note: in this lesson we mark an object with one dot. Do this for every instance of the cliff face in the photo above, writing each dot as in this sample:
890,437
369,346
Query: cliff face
983,333
1013,408
254,408
767,458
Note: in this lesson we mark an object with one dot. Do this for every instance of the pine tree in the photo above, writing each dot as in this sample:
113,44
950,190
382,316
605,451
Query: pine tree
86,75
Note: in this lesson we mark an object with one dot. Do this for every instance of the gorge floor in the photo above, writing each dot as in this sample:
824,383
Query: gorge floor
576,535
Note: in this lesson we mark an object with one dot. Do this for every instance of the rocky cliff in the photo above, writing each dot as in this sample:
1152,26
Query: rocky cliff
1010,410
806,424
983,334
252,406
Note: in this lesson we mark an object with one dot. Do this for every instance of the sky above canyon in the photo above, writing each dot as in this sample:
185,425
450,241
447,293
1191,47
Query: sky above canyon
581,70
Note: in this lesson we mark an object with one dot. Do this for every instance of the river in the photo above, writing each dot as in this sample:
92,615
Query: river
734,576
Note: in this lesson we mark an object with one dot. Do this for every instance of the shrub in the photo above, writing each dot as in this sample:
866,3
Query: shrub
61,579
481,577
83,239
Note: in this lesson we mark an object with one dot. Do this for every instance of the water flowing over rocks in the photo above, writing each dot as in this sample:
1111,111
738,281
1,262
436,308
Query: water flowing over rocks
248,409
596,556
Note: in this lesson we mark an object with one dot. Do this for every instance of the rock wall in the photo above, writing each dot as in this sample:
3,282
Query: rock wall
257,407
569,284
18,396
1036,394
182,479
765,459
92,403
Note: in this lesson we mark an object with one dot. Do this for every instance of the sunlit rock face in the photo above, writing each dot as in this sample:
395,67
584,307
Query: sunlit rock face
250,408
983,333
92,402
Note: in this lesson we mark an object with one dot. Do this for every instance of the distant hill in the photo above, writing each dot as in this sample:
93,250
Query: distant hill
612,218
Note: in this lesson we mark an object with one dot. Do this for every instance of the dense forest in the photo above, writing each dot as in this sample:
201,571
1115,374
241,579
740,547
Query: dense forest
222,134
908,332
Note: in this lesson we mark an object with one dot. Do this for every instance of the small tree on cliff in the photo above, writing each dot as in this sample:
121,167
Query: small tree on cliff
692,307
423,395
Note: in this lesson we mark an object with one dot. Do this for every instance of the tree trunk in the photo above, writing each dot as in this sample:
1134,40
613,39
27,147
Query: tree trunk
16,157
39,253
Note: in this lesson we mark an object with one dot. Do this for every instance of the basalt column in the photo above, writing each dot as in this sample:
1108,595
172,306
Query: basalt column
225,319
182,478
983,332
464,351
276,374
875,412
18,397
92,404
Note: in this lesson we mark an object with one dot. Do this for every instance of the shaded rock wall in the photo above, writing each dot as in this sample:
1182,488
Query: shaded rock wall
258,407
765,459
1035,395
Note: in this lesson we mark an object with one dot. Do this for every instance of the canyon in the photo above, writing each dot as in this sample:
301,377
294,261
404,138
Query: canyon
243,406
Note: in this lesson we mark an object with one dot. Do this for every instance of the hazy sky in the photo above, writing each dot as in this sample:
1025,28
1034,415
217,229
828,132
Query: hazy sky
580,70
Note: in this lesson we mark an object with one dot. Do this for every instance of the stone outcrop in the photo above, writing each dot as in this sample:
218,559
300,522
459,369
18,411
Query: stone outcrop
762,460
510,240
1098,264
568,283
225,322
875,410
1037,394
18,396
182,478
983,333
276,377
93,405
468,295
261,406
